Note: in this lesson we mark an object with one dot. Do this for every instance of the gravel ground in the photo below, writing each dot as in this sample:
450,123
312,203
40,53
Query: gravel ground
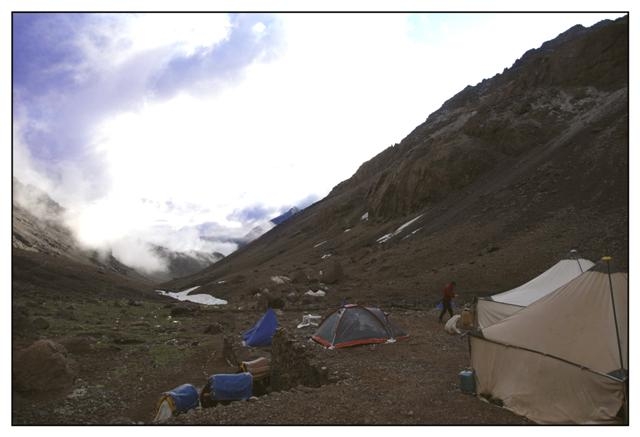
409,382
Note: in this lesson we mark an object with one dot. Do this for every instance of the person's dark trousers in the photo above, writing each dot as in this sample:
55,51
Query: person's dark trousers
446,306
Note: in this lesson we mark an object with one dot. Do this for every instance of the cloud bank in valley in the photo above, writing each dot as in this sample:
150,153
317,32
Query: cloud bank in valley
157,128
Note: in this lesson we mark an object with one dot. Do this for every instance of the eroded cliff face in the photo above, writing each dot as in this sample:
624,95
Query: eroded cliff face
547,97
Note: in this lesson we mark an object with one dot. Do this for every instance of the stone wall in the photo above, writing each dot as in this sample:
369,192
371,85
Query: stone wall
293,364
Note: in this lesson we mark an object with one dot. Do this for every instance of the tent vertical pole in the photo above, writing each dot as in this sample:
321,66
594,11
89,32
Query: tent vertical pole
574,254
615,321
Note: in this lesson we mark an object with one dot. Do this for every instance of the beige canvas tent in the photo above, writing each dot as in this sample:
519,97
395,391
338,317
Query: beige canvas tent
494,308
564,358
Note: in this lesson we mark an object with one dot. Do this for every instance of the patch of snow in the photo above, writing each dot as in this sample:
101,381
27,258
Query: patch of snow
318,293
365,216
320,244
326,255
221,282
384,238
387,237
204,299
189,290
347,230
280,279
407,224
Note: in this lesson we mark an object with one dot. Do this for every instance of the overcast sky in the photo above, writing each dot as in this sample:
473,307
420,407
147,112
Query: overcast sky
146,125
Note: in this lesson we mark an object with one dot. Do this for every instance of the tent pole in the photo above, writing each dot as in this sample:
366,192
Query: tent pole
615,321
574,254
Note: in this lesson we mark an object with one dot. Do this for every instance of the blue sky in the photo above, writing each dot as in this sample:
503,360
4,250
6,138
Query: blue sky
183,119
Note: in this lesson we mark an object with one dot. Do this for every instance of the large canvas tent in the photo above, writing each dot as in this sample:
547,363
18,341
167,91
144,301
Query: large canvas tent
494,308
564,358
353,325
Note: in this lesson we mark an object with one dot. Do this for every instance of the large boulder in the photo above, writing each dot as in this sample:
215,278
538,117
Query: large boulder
331,272
43,366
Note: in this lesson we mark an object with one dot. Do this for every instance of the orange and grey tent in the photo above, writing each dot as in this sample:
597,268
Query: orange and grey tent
353,325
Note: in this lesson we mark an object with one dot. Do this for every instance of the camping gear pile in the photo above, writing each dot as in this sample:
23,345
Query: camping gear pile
253,376
349,325
220,388
557,356
460,323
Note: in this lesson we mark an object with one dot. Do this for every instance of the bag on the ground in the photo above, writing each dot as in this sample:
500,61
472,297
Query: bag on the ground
451,325
178,400
227,387
259,368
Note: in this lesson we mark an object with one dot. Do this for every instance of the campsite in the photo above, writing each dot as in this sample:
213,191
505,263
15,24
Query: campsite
123,365
516,189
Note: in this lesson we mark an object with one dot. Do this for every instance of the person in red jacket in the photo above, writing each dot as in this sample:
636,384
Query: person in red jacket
447,295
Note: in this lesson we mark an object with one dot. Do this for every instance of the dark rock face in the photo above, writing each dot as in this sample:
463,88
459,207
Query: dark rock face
43,366
545,93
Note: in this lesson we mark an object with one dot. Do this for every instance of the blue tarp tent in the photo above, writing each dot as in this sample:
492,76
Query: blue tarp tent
262,332
231,387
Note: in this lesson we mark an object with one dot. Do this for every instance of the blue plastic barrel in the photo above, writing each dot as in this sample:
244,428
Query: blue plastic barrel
467,381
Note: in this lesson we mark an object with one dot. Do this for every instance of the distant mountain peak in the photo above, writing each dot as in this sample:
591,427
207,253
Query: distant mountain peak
285,216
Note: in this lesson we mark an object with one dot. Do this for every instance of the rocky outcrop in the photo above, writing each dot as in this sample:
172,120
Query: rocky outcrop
293,365
542,95
43,366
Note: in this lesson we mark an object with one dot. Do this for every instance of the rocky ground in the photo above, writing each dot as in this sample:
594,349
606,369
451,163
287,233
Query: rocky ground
122,354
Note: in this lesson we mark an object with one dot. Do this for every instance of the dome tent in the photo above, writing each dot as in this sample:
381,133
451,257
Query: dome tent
353,325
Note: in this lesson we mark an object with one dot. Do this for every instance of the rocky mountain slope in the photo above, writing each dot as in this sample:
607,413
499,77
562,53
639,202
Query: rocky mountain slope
39,232
38,227
495,186
183,263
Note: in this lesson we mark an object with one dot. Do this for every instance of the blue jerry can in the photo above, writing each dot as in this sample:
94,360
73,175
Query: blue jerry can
467,381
